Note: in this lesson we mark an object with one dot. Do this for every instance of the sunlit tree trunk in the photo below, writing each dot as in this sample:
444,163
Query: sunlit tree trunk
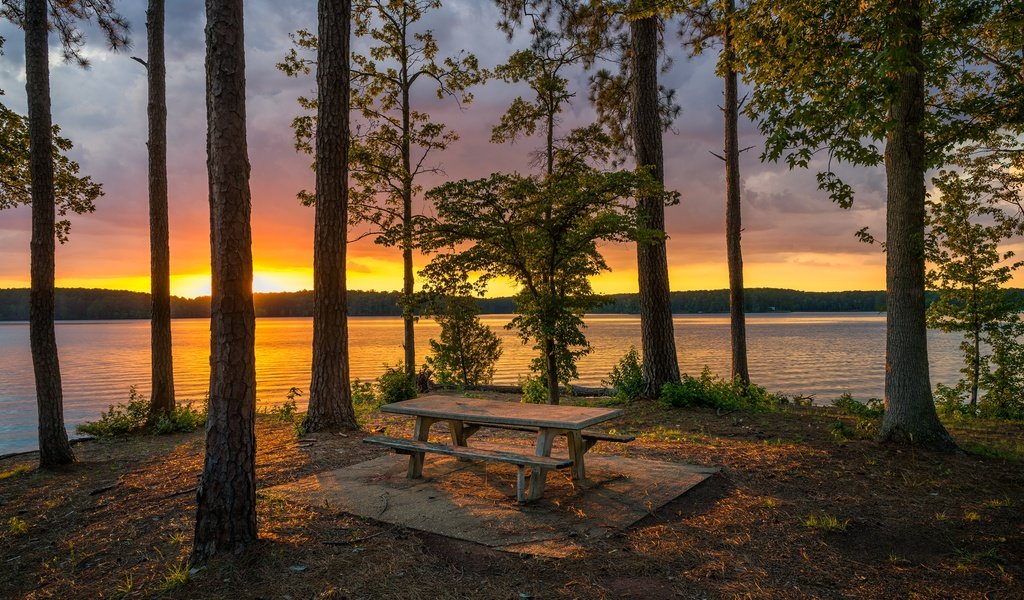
330,396
54,448
909,408
226,515
656,332
162,396
733,223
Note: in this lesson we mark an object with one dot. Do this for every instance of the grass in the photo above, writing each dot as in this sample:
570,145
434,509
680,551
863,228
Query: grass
176,576
1012,450
826,523
15,472
17,527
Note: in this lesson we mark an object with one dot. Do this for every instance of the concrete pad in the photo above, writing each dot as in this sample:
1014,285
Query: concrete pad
475,501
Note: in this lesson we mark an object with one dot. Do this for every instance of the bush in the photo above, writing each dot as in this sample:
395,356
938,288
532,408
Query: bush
468,350
134,418
364,401
627,377
535,390
395,385
873,408
714,392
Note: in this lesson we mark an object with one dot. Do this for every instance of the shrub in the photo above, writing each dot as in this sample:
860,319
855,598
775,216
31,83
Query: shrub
395,385
627,377
535,390
134,418
287,412
467,351
873,408
364,401
714,392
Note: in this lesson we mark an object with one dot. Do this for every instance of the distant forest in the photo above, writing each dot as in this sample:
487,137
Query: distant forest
74,304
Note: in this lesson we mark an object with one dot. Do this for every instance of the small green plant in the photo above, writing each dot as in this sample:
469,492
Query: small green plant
175,577
714,392
287,412
125,587
535,390
941,516
872,408
972,516
826,522
17,526
178,537
183,419
627,377
998,449
364,400
395,385
134,418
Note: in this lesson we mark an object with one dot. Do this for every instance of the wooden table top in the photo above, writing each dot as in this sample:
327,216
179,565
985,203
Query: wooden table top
499,412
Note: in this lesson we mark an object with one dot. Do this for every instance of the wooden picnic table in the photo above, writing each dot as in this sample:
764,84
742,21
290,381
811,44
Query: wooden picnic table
465,416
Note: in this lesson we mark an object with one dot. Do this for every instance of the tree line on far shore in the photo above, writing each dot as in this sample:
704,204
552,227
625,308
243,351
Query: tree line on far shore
82,304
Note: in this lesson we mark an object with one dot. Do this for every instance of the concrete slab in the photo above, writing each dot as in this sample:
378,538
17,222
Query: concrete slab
475,501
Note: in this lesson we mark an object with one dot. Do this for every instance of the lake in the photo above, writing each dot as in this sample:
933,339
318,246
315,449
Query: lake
809,354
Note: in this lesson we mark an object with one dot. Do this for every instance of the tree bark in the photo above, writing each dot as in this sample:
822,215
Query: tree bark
733,223
226,515
910,415
656,334
162,395
551,368
408,280
330,394
54,448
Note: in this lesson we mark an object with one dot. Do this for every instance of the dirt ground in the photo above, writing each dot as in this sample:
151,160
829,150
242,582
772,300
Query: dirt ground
794,513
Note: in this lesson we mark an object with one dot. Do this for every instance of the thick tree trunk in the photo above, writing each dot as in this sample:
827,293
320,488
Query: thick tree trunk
162,396
226,515
551,368
910,415
330,395
54,449
657,338
733,224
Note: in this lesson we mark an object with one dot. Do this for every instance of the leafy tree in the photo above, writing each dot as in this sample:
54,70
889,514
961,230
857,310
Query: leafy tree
394,144
634,110
38,17
330,393
226,497
468,350
162,368
541,233
969,269
838,79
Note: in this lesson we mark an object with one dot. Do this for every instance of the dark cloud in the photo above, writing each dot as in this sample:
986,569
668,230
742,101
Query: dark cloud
103,110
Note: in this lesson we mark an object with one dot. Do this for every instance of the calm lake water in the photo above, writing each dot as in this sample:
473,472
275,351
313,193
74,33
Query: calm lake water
819,354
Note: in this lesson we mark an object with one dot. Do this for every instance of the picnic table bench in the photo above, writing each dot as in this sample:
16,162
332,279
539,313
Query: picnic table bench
465,416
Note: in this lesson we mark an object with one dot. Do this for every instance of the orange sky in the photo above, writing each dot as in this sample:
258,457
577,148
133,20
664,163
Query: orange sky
793,236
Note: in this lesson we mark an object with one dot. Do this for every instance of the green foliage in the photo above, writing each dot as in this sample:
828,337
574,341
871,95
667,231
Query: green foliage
711,391
395,385
134,418
627,377
826,522
997,449
468,350
535,391
288,411
73,193
176,576
873,408
17,527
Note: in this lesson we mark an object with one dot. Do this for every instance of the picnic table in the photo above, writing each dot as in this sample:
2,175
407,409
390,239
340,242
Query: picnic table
465,416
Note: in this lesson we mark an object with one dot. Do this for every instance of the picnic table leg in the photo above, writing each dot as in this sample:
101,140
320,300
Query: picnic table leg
459,435
420,434
574,439
538,475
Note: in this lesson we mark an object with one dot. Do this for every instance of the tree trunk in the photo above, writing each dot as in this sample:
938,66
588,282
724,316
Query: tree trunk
330,394
733,225
54,449
910,415
407,269
551,368
657,339
226,515
162,396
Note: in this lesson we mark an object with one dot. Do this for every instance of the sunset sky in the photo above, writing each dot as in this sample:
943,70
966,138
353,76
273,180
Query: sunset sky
794,237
